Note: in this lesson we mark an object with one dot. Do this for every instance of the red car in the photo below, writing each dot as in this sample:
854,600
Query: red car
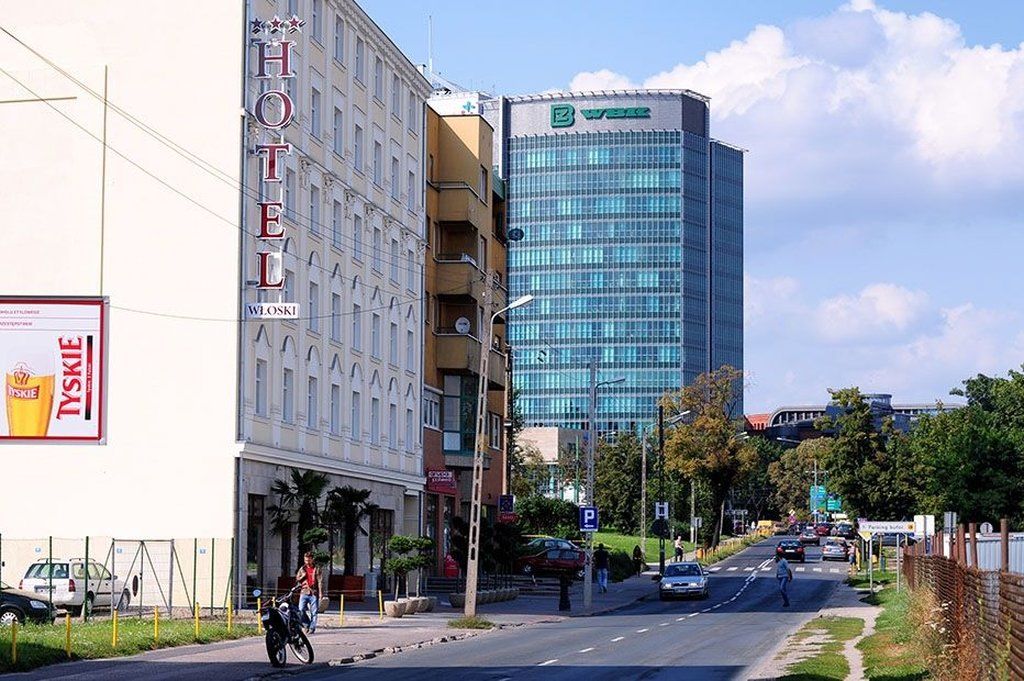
823,529
553,562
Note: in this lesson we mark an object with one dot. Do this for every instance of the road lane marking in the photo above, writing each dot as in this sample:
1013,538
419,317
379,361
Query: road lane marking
664,624
765,569
640,631
680,619
714,569
816,569
800,569
586,650
732,569
747,569
833,571
716,606
617,639
693,614
545,664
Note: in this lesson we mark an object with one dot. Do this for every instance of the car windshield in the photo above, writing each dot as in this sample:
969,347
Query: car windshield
43,571
683,570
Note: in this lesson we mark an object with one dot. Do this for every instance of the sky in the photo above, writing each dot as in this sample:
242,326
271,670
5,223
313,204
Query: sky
883,181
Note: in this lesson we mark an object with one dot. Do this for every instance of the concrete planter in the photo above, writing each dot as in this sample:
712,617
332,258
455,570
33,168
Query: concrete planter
410,605
422,603
394,608
431,603
457,600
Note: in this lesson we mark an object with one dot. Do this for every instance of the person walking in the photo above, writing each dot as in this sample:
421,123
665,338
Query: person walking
309,577
601,565
638,560
679,547
784,575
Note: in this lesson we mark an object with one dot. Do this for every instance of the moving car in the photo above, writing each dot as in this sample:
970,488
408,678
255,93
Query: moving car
835,549
68,580
792,549
17,606
823,529
553,562
683,579
846,531
809,536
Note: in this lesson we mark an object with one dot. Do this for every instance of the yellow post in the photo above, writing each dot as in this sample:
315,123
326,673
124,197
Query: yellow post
156,626
380,603
67,635
341,611
113,634
259,618
231,614
195,612
14,643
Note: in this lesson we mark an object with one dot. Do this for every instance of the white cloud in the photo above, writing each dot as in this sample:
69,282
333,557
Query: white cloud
767,297
879,309
600,80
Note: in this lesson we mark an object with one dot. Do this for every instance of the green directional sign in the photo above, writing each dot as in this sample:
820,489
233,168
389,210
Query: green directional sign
564,115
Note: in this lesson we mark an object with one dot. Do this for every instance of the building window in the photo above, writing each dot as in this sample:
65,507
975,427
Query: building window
335,409
458,413
292,84
357,237
395,258
357,327
357,149
376,248
483,184
311,403
261,387
494,431
410,273
378,79
357,417
430,167
410,350
392,426
377,160
336,317
374,421
337,215
289,193
431,409
314,112
338,133
288,396
396,96
339,39
409,425
412,109
393,339
394,178
410,199
318,29
375,336
360,60
314,307
314,209
289,287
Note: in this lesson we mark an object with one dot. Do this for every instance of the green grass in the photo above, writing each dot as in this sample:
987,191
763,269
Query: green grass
470,623
891,652
43,644
625,542
829,662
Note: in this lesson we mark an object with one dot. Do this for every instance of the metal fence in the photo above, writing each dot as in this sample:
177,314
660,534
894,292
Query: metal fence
130,575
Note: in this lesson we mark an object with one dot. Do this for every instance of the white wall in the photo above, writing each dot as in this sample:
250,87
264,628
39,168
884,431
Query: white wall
166,469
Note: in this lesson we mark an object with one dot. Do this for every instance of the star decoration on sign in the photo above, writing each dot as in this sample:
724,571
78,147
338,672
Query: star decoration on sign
276,24
257,26
294,24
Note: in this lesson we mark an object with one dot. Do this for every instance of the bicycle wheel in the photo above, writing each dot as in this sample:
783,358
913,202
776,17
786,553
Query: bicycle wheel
301,648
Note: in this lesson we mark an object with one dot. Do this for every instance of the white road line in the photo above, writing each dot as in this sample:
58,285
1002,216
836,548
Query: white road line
747,569
716,606
816,569
801,569
640,631
545,664
664,624
680,619
833,571
714,569
765,569
732,569
617,639
693,614
586,650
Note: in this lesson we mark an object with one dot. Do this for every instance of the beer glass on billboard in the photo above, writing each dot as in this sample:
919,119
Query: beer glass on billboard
28,392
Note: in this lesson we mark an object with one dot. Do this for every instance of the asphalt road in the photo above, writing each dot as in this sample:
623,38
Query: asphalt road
741,623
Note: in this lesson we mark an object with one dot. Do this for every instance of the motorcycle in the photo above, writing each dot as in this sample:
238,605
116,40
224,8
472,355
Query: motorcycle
283,626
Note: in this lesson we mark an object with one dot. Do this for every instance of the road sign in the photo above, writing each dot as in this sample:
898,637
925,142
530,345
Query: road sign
924,525
661,509
660,528
506,503
508,518
886,526
588,519
697,522
986,528
818,497
834,504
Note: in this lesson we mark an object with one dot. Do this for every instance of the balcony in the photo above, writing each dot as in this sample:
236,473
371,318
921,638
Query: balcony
458,275
458,203
461,353
463,460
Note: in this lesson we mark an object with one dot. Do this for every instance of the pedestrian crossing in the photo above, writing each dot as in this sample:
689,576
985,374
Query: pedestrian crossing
769,567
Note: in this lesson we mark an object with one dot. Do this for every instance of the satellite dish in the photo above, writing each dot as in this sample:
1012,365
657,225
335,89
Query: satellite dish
462,325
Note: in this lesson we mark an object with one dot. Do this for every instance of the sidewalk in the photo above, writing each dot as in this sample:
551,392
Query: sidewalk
364,636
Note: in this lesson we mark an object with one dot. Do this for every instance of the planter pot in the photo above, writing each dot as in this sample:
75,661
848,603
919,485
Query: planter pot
394,608
422,604
457,600
431,603
410,607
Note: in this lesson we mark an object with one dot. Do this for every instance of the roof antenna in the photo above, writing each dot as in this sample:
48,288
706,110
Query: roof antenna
430,45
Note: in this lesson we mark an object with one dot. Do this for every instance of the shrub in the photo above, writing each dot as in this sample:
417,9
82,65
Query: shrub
620,566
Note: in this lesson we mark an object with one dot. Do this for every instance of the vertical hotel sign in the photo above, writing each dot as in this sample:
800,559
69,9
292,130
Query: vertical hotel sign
274,110
52,360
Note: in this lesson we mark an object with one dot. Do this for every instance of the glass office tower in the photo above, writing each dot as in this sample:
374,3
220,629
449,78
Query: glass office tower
632,243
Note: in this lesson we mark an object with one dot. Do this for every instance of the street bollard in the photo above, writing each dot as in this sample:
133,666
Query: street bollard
113,633
259,618
67,635
380,604
341,611
231,614
195,614
563,593
156,626
14,643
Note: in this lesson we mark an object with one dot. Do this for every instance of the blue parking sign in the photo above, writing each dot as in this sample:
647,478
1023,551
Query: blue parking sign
588,519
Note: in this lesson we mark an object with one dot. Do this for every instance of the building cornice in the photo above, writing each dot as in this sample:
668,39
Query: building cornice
284,457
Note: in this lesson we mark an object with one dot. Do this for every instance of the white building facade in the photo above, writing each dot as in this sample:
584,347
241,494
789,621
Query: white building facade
148,198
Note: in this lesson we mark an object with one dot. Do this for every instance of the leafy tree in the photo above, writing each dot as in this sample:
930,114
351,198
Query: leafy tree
298,502
707,445
541,515
755,492
617,483
789,477
529,471
407,554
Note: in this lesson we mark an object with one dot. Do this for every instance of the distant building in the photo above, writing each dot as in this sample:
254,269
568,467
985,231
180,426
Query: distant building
564,479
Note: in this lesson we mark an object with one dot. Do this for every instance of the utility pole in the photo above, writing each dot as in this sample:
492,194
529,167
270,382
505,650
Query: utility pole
588,578
693,515
661,484
643,494
814,497
509,418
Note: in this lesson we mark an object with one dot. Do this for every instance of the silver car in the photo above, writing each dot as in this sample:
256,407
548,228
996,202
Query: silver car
683,579
834,549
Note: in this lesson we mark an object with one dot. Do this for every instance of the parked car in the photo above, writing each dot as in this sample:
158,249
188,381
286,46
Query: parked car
823,529
67,577
891,539
537,544
792,549
684,579
835,549
846,531
17,606
556,561
809,536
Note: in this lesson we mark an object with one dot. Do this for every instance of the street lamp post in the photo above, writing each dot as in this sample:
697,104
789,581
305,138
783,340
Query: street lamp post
473,558
588,577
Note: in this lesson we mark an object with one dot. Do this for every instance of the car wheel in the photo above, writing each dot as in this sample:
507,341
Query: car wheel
706,595
87,606
662,597
9,616
124,601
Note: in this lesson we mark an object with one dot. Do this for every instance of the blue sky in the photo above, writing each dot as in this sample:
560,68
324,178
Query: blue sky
883,209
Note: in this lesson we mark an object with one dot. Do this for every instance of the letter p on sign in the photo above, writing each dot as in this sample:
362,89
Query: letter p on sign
588,519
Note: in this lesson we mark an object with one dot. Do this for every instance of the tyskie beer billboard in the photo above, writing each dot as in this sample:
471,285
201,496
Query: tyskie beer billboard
52,359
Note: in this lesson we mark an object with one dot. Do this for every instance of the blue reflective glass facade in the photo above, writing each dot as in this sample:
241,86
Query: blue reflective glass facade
622,255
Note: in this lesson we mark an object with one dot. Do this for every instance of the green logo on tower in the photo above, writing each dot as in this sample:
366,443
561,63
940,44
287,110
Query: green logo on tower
562,115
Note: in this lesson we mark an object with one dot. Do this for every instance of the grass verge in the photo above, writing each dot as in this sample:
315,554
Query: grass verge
470,623
894,650
43,644
829,662
626,542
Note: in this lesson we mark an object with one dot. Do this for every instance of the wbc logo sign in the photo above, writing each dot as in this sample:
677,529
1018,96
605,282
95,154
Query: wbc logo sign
274,110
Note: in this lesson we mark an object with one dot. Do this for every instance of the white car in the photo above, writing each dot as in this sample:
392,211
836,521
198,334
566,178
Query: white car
683,579
67,577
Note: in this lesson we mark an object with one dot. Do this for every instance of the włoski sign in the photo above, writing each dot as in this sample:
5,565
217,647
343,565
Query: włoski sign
564,115
886,526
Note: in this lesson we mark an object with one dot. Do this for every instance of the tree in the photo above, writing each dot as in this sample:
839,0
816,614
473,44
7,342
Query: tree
617,485
541,515
790,479
529,471
707,446
298,502
345,508
407,554
755,492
